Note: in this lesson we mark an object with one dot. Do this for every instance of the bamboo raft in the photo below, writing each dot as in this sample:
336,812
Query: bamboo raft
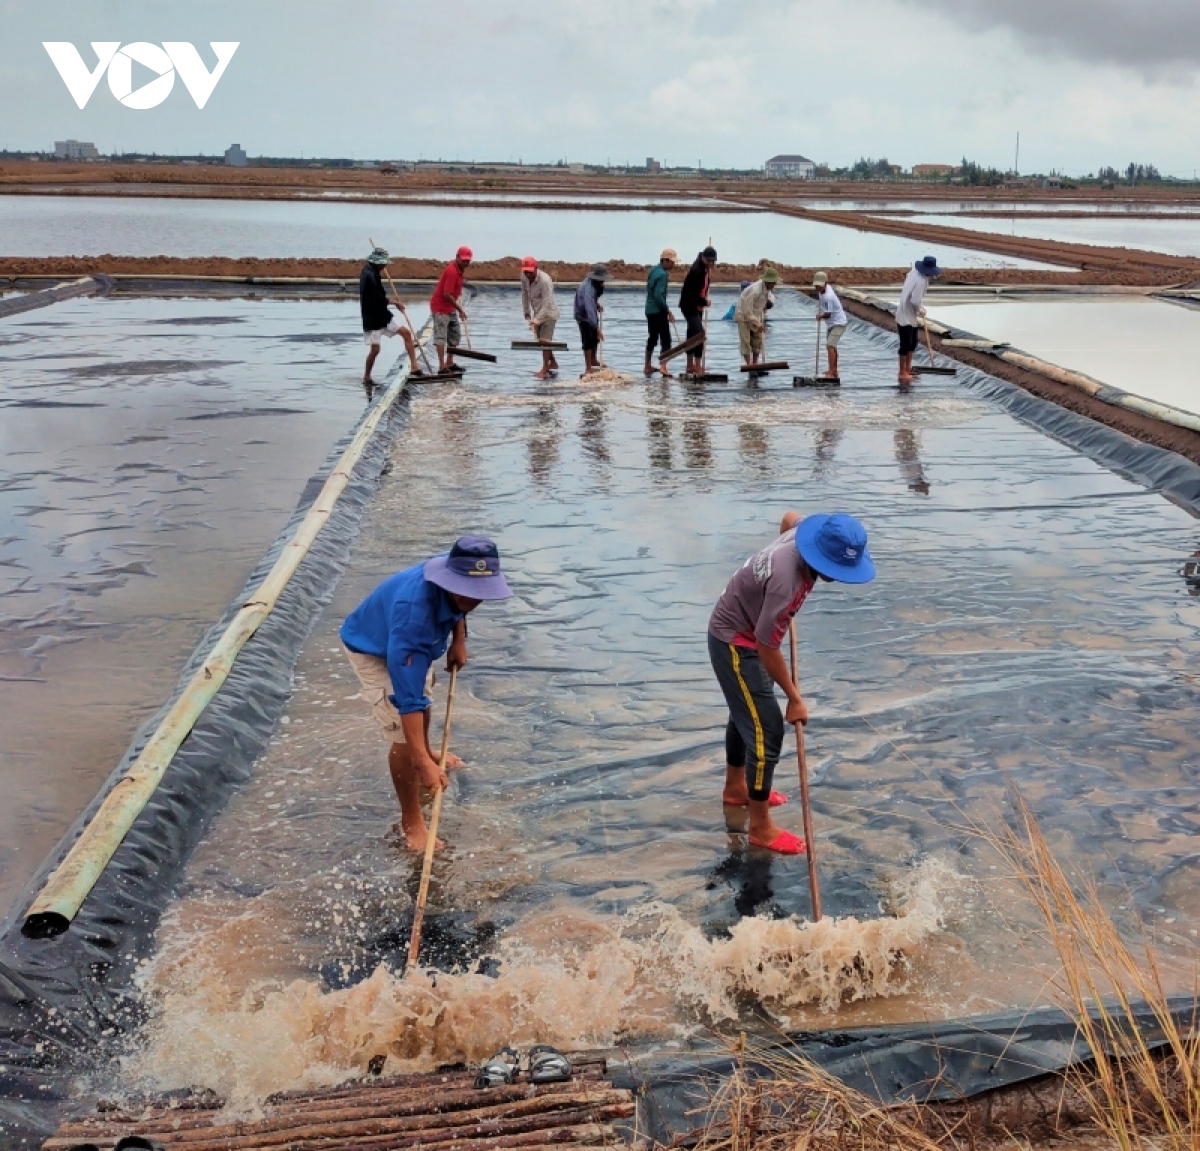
442,1110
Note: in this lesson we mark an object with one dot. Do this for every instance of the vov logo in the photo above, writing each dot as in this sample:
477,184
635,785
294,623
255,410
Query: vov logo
174,56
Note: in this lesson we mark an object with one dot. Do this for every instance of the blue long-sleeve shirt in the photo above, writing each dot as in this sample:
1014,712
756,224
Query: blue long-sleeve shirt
656,291
406,621
585,304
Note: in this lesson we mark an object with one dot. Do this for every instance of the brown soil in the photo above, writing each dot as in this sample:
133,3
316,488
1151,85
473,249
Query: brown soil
1151,431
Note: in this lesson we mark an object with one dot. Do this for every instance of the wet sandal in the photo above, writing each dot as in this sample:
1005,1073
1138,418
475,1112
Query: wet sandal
785,843
548,1065
500,1069
776,799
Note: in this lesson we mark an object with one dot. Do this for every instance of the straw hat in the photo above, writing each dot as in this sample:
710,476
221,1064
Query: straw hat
669,254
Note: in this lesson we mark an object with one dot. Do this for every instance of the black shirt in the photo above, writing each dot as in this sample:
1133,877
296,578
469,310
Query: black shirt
371,295
691,296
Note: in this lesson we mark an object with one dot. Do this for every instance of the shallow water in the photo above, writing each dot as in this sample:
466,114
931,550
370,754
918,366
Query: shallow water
1148,347
1029,627
1175,237
151,452
92,225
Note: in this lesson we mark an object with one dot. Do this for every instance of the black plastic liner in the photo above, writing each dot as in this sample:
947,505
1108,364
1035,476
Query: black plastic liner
935,1062
27,303
65,1002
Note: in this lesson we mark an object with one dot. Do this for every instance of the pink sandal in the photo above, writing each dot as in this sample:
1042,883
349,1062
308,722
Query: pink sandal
785,843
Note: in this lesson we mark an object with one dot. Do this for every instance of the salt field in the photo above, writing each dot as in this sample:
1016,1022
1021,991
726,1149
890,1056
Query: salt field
89,225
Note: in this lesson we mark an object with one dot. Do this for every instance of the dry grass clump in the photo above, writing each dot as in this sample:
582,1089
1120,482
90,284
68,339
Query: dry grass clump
1139,1089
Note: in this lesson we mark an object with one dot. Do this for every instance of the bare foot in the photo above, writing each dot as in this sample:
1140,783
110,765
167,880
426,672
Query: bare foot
542,374
417,838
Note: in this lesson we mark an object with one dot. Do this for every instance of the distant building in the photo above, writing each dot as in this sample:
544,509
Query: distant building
927,171
75,150
653,166
235,157
790,168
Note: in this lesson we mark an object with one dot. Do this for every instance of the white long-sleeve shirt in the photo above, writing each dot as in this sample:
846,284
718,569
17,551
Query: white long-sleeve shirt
752,303
537,298
911,296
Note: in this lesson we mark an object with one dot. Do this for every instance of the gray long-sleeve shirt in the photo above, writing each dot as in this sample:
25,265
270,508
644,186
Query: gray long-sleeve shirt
585,304
537,298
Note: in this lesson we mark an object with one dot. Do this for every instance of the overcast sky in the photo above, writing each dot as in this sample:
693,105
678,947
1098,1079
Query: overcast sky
725,82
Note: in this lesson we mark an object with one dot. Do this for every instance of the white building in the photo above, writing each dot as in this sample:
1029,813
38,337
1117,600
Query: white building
75,150
235,157
790,168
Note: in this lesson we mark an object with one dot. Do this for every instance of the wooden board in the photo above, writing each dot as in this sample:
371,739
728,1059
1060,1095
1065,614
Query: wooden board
540,346
926,370
766,366
706,378
679,349
471,354
815,382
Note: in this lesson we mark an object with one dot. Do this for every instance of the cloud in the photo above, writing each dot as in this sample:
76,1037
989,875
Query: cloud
1159,39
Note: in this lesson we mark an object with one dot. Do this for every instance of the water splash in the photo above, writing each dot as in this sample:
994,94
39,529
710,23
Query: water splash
575,981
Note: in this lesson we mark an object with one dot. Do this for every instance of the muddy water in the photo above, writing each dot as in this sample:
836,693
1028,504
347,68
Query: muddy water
78,226
152,450
1029,628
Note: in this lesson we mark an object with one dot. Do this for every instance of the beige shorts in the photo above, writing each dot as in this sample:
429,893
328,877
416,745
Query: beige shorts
750,340
376,337
377,688
544,330
833,336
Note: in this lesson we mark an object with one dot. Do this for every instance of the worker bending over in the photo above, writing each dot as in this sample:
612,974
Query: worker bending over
588,313
751,316
391,640
745,632
909,311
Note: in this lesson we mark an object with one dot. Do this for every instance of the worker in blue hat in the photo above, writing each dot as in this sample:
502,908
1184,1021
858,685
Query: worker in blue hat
910,311
745,636
391,640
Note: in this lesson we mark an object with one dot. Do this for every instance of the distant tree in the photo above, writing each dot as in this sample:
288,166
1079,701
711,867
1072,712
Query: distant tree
1108,173
976,174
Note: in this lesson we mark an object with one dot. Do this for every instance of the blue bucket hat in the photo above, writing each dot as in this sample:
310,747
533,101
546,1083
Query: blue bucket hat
928,266
471,568
835,546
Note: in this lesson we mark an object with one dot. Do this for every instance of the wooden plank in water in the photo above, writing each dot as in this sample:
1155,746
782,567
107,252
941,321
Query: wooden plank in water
540,346
471,354
679,349
766,366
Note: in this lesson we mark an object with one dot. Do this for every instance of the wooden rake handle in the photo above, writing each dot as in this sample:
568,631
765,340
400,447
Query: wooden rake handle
414,944
814,883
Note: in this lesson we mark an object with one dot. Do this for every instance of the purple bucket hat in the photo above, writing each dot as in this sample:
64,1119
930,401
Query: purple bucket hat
472,568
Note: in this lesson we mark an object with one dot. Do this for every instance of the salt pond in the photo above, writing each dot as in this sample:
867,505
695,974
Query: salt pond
151,451
89,225
1029,628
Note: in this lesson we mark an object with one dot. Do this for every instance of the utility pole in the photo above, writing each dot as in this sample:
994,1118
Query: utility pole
1017,158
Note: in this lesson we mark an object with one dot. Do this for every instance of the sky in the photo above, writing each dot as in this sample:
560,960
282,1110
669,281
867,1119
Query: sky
723,83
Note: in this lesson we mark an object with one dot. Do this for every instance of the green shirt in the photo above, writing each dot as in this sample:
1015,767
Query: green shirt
656,290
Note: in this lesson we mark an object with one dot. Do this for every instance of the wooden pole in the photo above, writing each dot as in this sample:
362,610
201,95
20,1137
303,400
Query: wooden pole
414,944
814,884
816,376
928,344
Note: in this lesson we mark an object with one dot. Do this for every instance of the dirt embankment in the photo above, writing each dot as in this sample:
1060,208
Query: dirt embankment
1145,428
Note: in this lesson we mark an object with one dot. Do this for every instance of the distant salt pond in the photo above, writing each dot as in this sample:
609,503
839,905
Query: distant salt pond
93,225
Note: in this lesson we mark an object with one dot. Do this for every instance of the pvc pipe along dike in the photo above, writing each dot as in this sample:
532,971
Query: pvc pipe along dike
52,912
1107,394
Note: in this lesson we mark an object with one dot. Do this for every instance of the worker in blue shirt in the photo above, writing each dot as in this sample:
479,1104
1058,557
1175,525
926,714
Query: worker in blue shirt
392,639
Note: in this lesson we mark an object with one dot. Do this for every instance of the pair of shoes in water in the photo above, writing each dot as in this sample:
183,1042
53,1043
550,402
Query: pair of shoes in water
543,1064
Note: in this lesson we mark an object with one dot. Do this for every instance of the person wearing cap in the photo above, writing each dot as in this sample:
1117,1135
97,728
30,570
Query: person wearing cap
541,311
447,309
588,311
693,301
751,315
391,640
909,311
829,309
658,311
745,635
378,319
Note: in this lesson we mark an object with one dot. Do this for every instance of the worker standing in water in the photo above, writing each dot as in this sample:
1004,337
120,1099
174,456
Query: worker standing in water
658,311
751,316
909,311
447,309
693,300
588,314
829,309
377,317
745,633
541,310
391,640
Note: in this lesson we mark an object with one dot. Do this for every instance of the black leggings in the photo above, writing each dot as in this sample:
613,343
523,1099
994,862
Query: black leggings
754,734
908,338
659,326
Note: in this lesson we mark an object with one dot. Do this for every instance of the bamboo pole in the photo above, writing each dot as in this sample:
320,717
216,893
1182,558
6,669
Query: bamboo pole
814,883
69,884
414,943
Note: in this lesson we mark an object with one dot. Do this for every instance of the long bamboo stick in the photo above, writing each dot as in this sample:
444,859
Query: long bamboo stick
414,943
814,883
69,884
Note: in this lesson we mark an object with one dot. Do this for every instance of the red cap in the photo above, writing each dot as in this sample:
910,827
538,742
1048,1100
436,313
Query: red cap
464,253
529,264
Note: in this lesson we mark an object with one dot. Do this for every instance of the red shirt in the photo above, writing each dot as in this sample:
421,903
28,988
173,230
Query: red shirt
449,288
